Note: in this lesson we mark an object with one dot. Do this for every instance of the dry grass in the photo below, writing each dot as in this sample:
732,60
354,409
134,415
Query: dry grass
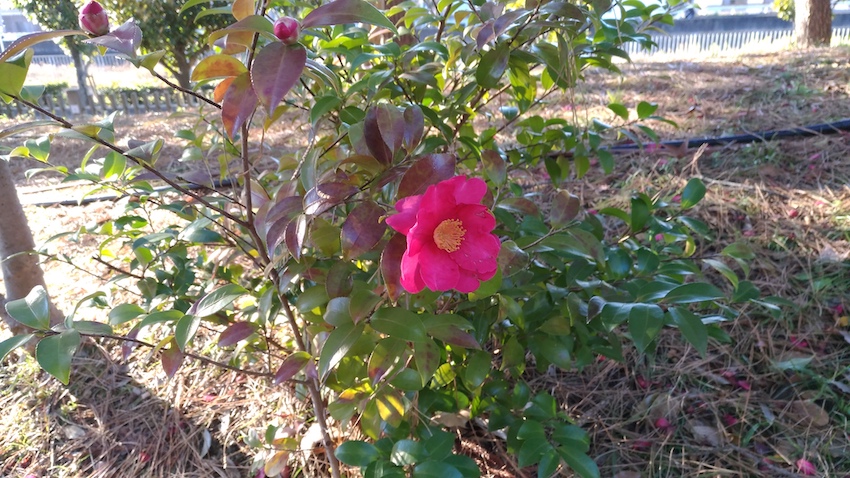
747,409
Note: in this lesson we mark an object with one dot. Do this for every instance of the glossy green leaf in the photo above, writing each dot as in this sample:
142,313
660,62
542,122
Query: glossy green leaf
337,345
90,327
185,330
33,310
492,67
619,110
124,313
691,327
407,452
216,300
399,323
693,193
645,322
646,109
12,343
693,292
13,71
54,354
356,453
346,11
579,462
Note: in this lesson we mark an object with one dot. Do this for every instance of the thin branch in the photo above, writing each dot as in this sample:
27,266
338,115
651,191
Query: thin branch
187,91
116,269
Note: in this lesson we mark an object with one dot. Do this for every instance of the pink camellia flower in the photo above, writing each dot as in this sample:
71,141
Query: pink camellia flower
93,19
287,30
450,244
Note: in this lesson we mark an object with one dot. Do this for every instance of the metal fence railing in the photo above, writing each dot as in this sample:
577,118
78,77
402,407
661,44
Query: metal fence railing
62,60
129,102
724,41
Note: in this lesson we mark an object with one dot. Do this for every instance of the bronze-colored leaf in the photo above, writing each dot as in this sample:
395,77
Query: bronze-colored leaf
362,229
565,208
373,139
391,265
427,170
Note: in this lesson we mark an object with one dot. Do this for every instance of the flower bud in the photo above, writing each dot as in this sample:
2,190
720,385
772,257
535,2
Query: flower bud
93,19
287,29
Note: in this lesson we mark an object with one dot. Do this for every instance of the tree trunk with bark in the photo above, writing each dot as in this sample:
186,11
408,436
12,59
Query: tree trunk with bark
20,268
812,23
82,74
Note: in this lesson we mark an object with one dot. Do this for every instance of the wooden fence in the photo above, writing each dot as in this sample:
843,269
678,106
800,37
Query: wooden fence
63,60
133,102
737,41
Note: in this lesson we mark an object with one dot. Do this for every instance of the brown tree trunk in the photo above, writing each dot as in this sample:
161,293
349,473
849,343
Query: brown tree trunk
20,268
82,73
812,23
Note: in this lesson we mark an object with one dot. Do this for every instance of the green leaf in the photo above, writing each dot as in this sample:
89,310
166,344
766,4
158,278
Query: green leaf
693,193
435,469
745,291
216,300
185,329
693,292
322,106
341,12
399,323
14,73
640,214
159,317
275,70
477,369
492,67
33,310
722,268
645,321
54,354
579,462
338,343
495,166
12,343
124,313
619,110
691,327
645,110
357,453
407,452
91,327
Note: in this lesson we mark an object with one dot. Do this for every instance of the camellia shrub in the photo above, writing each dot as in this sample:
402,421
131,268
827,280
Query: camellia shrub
400,270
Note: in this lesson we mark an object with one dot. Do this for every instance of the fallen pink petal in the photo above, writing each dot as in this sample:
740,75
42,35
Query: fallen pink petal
450,244
805,467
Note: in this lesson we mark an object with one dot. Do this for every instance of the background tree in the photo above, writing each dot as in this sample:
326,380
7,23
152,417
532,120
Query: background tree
165,28
812,23
62,15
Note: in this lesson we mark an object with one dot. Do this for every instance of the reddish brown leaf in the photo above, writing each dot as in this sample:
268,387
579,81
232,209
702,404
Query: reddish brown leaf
235,333
565,208
338,282
315,203
391,125
238,104
453,335
391,265
373,139
275,71
172,359
427,170
414,127
294,235
291,365
520,205
362,229
336,191
494,166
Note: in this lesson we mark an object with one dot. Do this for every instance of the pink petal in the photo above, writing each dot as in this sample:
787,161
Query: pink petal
471,191
406,218
806,467
438,270
411,278
467,282
478,253
476,217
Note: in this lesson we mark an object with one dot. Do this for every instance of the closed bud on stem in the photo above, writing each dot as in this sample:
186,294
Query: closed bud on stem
287,30
93,19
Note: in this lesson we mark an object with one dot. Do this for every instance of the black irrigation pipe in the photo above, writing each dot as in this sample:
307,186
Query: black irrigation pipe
222,183
804,132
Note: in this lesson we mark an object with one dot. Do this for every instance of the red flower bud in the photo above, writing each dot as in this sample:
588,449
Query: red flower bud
287,29
93,19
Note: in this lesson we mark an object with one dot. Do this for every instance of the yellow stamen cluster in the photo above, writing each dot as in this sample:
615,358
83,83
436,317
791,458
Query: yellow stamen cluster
449,234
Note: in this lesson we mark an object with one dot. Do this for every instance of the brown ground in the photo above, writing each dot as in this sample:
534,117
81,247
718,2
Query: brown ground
748,409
